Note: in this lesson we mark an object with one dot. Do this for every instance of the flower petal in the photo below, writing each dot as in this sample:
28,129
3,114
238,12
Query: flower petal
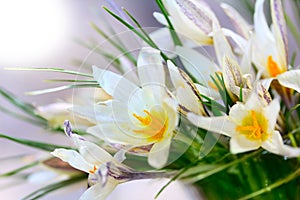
160,18
191,18
280,31
240,24
197,64
91,152
271,112
275,145
150,67
164,41
220,125
98,192
114,84
159,153
290,79
239,144
73,158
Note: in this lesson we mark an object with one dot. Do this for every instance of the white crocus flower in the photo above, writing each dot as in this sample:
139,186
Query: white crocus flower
270,47
250,126
191,18
138,115
105,172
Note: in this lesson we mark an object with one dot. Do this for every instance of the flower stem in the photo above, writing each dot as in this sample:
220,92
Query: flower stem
273,186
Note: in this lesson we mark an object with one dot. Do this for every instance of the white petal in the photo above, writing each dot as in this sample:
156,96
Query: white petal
239,23
114,84
150,67
290,79
254,102
266,83
280,31
275,145
98,192
240,41
271,113
220,125
118,133
159,153
222,46
163,39
209,92
238,112
192,19
91,152
198,65
260,23
160,18
73,158
239,144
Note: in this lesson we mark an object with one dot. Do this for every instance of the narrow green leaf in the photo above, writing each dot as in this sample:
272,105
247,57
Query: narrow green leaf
115,44
34,144
15,171
241,93
22,117
55,186
60,70
174,35
25,107
274,185
70,81
293,59
65,87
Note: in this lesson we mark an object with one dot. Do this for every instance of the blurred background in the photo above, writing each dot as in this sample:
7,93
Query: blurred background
43,33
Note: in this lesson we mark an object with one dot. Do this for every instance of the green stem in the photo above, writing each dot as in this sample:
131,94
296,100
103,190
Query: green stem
273,186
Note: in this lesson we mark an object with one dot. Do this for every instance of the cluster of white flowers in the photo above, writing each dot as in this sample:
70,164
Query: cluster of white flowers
142,114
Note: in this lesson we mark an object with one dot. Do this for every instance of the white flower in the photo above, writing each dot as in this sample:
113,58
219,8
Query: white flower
105,172
138,115
250,126
270,47
191,18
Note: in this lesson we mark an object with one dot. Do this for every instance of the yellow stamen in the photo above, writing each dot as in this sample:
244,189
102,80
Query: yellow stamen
92,171
253,127
155,128
144,120
212,85
273,67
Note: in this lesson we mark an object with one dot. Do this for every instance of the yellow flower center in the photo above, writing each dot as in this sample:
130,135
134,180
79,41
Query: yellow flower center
92,171
254,126
154,127
273,67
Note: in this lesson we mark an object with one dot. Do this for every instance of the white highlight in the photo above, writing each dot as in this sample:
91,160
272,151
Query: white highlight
31,29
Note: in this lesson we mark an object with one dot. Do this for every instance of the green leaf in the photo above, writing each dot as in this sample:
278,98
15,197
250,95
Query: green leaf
274,185
65,87
25,107
174,35
60,70
22,117
55,186
115,44
34,144
142,35
70,81
15,171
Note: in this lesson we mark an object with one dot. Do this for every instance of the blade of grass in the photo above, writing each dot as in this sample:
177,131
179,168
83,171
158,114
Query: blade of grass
34,144
22,117
174,35
52,187
274,185
53,70
25,107
20,169
65,87
121,48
